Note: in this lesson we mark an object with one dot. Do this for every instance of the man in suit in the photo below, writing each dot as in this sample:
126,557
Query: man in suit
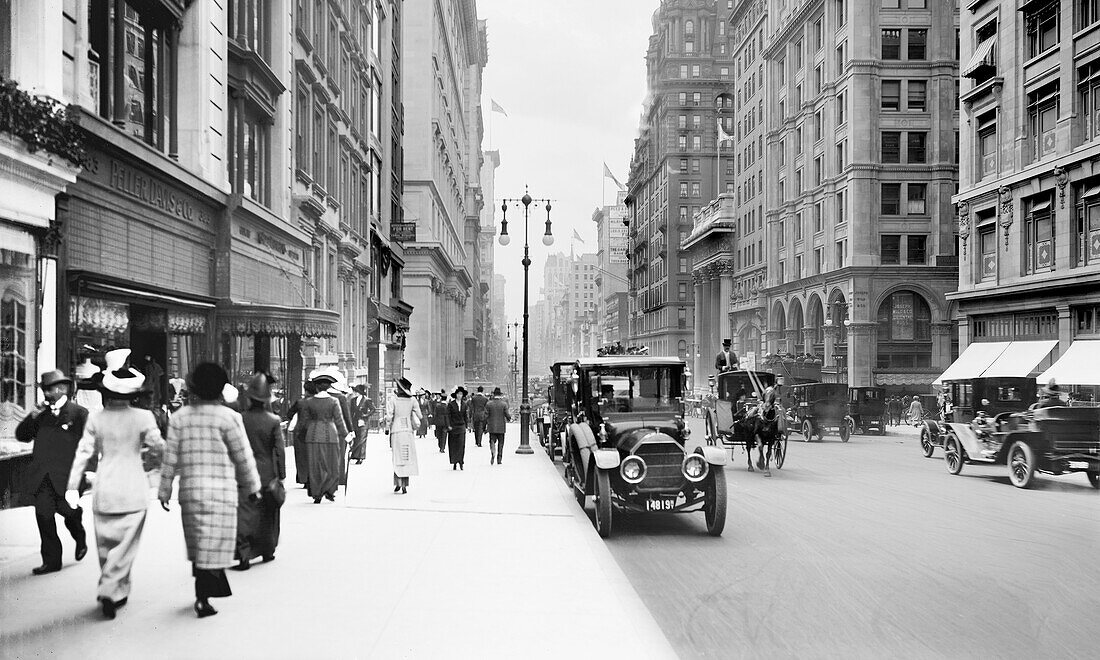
439,417
56,427
478,416
497,415
361,410
727,359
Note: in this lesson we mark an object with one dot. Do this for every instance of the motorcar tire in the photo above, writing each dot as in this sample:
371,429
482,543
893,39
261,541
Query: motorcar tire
1021,464
715,509
603,503
807,430
926,446
1094,478
953,455
846,430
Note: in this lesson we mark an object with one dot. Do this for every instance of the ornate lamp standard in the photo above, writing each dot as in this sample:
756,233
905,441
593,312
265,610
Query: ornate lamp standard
515,361
505,239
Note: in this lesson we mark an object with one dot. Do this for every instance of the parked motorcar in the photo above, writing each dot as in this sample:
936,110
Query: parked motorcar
1005,395
813,409
627,446
866,410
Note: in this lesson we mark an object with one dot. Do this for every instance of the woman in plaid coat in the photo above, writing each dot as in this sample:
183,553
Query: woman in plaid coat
208,449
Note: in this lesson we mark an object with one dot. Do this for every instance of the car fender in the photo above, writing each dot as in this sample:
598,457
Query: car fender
933,428
607,459
586,442
713,455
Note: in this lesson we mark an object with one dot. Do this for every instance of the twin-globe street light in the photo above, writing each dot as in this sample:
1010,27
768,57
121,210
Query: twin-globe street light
505,239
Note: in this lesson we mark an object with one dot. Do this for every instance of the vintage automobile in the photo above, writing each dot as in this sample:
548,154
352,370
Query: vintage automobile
1055,440
720,425
628,446
814,408
1006,395
866,410
558,412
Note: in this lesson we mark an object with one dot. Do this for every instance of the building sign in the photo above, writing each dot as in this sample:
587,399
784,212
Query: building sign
151,192
748,361
902,316
403,232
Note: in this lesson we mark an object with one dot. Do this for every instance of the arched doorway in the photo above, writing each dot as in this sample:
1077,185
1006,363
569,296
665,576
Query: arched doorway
815,315
904,332
795,340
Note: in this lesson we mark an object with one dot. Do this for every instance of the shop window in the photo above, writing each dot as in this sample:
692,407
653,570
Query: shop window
1042,115
13,351
1042,29
890,249
141,62
1087,226
1039,236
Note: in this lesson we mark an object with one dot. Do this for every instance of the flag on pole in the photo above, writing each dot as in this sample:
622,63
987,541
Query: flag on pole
723,136
496,107
577,237
608,175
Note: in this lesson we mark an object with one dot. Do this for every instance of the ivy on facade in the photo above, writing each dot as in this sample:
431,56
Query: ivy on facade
42,123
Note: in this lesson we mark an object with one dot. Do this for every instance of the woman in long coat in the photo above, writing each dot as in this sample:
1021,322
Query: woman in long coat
458,420
404,414
301,452
209,450
117,434
423,400
325,432
258,522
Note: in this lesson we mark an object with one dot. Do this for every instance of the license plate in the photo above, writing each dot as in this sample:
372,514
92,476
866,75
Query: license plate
660,504
1079,465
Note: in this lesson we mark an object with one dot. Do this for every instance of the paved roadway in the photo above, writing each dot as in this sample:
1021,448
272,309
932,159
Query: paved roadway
868,549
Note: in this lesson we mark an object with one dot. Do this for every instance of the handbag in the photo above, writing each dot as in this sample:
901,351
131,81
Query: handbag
277,491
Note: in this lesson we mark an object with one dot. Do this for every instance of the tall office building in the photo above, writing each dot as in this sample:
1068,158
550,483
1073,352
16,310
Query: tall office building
1029,193
673,172
445,53
862,163
611,267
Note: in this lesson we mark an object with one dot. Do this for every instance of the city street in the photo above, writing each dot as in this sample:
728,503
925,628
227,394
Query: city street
868,549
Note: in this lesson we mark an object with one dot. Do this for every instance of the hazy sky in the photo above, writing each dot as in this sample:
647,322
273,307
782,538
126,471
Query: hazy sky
571,76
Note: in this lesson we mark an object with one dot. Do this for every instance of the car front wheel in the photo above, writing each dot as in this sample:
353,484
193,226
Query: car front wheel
807,430
846,430
952,455
926,445
715,510
1094,478
603,503
1021,464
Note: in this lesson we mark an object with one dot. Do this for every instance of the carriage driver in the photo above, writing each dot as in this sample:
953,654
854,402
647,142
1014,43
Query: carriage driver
727,359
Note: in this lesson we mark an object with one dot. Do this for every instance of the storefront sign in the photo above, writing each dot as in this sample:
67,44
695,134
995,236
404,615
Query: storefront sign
403,232
147,190
902,316
392,316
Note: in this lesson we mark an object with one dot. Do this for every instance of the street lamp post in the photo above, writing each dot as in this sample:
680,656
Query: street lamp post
515,360
547,239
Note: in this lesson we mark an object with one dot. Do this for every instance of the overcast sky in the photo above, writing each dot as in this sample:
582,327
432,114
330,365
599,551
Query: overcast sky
571,76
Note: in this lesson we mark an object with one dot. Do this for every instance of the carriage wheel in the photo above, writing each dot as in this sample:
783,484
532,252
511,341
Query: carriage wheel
715,509
807,430
710,422
1021,464
780,451
952,454
603,503
926,445
846,430
1094,478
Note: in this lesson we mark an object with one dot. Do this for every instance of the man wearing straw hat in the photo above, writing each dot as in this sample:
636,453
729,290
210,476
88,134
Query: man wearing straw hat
55,426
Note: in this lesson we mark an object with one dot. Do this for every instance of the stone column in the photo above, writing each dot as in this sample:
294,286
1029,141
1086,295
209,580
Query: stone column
791,335
831,333
1065,328
941,344
722,304
773,339
862,354
697,354
809,335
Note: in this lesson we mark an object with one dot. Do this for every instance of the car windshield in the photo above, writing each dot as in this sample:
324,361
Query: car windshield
637,389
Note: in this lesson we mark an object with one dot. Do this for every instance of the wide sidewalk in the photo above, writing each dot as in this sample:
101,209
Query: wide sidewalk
491,562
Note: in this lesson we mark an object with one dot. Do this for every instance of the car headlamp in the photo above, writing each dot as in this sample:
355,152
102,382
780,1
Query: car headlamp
695,468
632,469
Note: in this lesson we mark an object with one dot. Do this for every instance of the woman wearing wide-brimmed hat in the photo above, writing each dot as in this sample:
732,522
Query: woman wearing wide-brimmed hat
209,451
458,421
117,434
404,413
258,522
325,433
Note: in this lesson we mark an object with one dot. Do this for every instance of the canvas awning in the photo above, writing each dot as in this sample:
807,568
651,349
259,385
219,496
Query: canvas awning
974,361
1021,359
983,56
1079,365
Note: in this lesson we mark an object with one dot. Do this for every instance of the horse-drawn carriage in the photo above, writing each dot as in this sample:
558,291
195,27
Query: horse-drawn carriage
741,418
815,408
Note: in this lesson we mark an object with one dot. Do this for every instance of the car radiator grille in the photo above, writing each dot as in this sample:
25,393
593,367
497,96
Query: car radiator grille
662,466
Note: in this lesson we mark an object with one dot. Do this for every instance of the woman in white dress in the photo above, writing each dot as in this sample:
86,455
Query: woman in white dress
404,413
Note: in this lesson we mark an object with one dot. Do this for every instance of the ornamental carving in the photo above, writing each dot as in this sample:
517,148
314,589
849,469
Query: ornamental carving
964,225
1061,178
1005,194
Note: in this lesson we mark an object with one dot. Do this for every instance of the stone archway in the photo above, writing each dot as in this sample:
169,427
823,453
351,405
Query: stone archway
795,341
814,331
904,341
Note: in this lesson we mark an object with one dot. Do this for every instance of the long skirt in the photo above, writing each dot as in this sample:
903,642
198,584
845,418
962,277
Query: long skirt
117,536
359,447
210,582
403,453
456,444
257,527
325,468
301,460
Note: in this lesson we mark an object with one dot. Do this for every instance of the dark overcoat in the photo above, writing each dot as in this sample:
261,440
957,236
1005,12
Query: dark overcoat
498,415
56,439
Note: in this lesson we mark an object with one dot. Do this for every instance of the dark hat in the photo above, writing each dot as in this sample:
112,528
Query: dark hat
259,388
404,385
54,377
360,388
497,392
443,393
1052,389
460,389
480,388
207,380
726,342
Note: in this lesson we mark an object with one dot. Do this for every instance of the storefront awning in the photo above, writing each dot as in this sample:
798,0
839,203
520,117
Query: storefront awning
974,361
983,56
1020,359
1079,365
277,320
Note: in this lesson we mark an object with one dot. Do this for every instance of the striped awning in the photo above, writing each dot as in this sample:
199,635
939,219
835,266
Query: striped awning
984,55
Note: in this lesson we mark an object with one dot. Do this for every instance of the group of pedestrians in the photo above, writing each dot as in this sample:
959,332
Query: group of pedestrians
215,451
455,416
904,410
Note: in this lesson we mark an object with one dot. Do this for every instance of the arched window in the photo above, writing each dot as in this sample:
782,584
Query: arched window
904,331
13,351
689,28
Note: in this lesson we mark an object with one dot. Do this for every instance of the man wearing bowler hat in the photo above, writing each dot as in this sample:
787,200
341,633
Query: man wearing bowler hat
439,416
56,427
727,359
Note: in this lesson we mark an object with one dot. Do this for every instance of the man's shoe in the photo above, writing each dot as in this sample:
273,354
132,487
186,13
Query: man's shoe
43,569
269,558
204,609
396,488
81,550
108,608
492,459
